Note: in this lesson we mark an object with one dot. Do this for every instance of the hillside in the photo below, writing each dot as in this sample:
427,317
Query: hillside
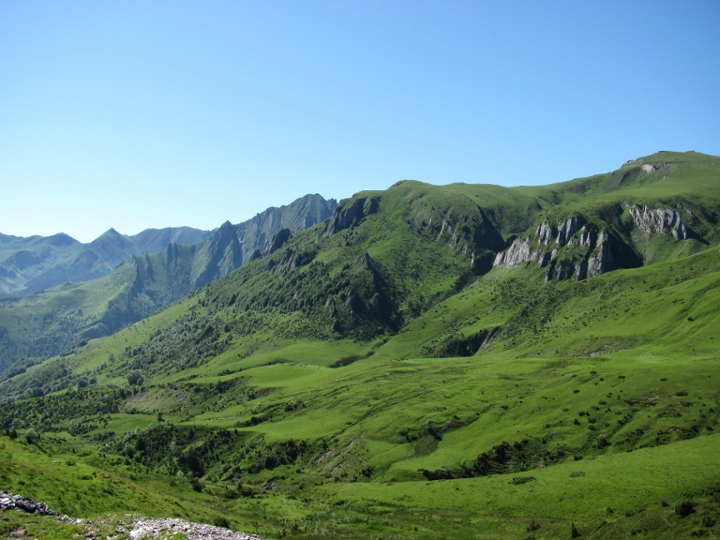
461,361
44,324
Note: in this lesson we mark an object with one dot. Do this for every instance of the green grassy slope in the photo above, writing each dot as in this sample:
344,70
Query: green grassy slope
42,324
377,376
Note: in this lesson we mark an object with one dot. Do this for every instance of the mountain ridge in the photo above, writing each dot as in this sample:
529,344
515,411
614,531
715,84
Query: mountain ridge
140,285
49,261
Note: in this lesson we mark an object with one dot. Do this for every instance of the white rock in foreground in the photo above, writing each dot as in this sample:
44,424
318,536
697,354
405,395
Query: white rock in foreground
166,527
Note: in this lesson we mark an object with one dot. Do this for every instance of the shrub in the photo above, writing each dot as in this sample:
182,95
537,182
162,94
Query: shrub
685,508
222,521
196,485
31,436
135,378
245,490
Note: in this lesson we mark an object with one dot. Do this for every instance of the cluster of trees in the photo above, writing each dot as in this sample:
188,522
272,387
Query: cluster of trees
46,379
215,453
79,411
187,342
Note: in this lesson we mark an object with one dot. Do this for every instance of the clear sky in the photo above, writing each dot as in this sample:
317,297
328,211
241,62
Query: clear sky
151,113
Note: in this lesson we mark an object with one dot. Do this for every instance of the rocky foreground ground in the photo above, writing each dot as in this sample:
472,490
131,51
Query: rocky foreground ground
132,527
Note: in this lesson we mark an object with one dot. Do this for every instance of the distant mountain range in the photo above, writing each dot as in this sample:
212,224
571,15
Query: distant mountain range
37,263
92,290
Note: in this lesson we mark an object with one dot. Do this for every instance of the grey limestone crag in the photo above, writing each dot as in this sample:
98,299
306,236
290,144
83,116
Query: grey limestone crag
574,248
659,221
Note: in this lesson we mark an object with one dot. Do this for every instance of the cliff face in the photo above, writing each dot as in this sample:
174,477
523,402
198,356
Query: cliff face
659,221
580,248
257,233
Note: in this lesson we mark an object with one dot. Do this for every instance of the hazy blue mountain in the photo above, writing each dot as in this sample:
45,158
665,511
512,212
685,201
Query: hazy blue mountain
154,240
37,263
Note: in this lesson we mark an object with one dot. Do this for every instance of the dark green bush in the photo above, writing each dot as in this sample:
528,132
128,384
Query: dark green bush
685,508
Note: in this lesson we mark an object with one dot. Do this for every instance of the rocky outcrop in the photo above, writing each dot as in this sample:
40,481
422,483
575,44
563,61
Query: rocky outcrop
575,249
546,233
278,241
600,261
522,251
659,221
587,237
603,255
345,216
139,527
518,253
8,501
568,228
164,527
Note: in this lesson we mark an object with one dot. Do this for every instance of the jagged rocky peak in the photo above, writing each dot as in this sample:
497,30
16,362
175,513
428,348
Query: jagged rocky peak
62,239
264,219
659,221
224,235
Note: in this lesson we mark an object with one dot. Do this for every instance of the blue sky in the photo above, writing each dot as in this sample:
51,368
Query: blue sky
158,113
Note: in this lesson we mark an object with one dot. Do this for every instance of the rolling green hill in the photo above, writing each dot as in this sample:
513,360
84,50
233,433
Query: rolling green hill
463,361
